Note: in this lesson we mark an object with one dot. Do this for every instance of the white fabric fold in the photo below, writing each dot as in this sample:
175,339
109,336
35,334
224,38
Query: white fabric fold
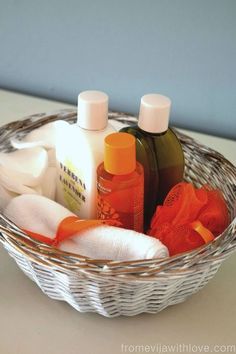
26,166
31,169
5,197
47,136
24,172
41,215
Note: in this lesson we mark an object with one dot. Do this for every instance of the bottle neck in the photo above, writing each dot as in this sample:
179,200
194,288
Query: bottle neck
152,134
88,128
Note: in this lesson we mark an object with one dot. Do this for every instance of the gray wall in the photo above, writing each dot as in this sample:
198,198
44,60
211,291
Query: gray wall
185,49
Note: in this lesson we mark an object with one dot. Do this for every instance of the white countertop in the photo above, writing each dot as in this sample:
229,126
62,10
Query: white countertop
31,323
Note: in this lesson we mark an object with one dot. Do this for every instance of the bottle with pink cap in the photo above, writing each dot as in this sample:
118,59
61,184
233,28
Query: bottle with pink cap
158,150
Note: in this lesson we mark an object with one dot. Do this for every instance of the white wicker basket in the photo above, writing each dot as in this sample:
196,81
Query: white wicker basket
113,288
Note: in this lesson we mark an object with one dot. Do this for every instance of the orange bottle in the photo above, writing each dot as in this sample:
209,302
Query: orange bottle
120,183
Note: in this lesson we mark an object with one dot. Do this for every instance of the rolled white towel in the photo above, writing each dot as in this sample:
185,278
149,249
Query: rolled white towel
43,216
109,242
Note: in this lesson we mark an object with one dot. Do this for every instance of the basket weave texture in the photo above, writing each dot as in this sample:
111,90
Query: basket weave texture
113,288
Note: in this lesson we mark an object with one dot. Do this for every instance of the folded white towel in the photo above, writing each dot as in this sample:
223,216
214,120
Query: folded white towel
5,197
26,167
48,185
32,168
24,172
41,215
47,136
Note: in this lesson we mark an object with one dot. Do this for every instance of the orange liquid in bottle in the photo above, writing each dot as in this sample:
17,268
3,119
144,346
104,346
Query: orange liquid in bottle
120,198
120,183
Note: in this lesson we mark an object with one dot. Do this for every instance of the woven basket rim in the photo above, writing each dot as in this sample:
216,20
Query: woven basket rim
137,270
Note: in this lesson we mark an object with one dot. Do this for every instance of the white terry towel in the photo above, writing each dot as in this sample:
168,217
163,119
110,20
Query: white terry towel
32,168
26,167
43,139
47,136
5,197
41,215
25,172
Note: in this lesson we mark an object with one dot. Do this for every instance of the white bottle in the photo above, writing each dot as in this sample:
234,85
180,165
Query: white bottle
79,153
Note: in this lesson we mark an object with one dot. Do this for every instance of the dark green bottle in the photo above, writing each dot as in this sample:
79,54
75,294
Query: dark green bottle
158,150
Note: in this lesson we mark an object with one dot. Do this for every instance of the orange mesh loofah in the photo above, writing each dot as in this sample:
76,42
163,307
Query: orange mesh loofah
215,214
189,217
181,205
184,239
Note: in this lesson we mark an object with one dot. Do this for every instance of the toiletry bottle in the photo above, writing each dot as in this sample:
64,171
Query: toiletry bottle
158,150
80,151
120,183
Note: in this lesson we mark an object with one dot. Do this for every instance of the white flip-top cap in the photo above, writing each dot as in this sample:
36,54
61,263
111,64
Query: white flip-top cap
154,113
92,110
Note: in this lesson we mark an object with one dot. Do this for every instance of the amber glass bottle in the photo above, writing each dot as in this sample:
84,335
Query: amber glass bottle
120,183
158,150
